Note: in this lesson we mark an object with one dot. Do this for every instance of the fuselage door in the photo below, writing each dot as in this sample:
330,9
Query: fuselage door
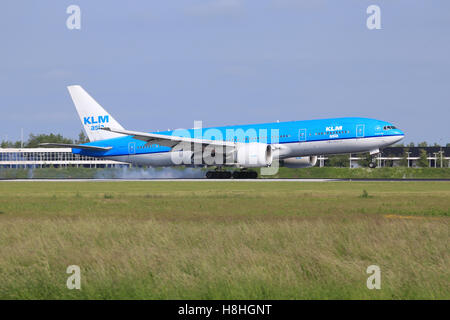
131,148
360,131
302,135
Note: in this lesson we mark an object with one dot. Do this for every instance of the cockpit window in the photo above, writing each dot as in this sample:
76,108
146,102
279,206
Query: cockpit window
389,127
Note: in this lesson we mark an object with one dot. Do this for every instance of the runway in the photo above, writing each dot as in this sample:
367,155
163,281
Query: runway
173,180
219,180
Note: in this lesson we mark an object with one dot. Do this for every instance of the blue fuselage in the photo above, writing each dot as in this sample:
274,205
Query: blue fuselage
295,138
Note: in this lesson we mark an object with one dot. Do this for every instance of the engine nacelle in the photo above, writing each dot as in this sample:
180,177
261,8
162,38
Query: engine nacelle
254,155
299,162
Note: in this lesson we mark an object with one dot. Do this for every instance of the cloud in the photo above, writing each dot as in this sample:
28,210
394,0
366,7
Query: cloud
216,8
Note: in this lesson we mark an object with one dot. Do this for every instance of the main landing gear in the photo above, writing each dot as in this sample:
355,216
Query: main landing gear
236,174
245,175
218,175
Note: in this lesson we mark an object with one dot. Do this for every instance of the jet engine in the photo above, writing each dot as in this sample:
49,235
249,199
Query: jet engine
254,155
299,162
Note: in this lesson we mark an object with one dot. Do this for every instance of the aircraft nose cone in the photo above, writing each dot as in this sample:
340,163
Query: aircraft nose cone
400,136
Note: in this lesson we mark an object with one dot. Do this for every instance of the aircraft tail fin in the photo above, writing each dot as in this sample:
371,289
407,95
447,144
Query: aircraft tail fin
92,115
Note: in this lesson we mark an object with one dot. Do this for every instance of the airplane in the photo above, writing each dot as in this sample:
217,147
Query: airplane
293,144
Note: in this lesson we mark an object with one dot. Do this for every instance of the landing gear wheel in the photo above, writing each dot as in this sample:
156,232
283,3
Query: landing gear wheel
372,165
225,175
245,175
218,175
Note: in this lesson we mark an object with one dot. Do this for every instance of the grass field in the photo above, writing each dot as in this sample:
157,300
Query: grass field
224,240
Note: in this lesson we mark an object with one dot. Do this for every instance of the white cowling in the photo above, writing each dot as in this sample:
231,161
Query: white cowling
299,162
254,155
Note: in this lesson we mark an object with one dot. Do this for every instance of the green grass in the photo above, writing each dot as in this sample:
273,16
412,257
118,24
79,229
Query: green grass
224,240
364,173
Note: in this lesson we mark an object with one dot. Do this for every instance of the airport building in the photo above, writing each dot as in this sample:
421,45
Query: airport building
395,156
63,157
392,156
51,157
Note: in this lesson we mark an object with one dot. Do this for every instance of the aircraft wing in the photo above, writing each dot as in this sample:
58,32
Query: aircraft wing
76,146
169,141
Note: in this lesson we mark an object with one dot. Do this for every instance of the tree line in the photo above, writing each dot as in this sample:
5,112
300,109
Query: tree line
35,139
420,145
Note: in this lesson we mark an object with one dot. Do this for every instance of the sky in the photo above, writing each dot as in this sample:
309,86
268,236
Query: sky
158,65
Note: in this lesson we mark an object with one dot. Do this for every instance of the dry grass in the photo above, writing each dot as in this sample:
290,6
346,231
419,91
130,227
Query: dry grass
227,240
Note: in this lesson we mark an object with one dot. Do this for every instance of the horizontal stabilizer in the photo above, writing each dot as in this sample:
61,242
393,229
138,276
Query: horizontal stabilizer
76,146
